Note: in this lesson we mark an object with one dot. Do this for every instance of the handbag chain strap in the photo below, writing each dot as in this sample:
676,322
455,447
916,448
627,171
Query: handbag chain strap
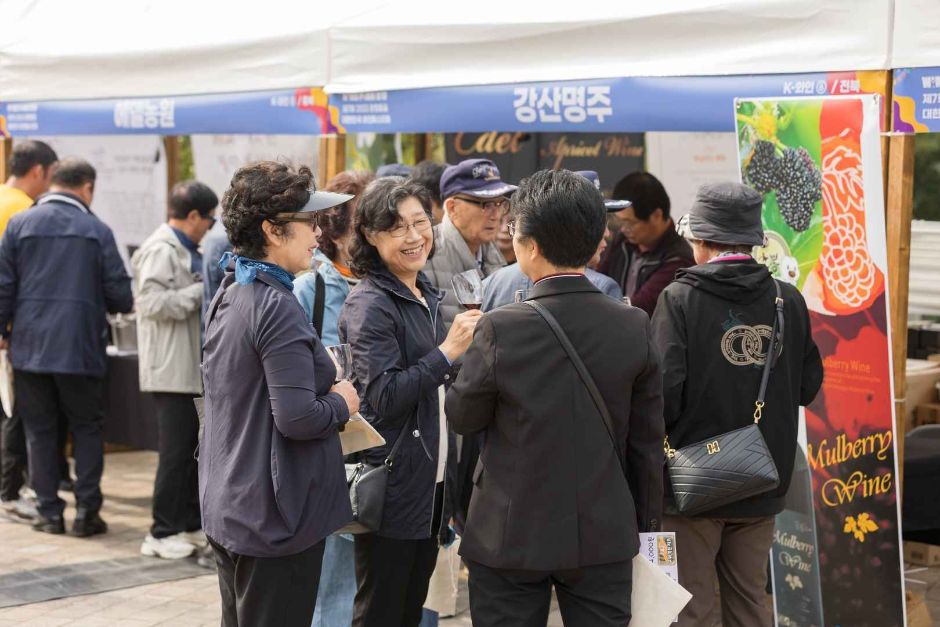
582,372
776,338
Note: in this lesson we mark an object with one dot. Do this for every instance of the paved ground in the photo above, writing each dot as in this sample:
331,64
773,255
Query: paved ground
186,602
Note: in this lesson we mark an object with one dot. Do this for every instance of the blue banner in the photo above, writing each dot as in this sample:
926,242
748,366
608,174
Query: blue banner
704,103
917,100
289,111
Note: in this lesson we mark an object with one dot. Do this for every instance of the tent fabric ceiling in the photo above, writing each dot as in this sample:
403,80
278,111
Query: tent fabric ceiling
444,44
117,49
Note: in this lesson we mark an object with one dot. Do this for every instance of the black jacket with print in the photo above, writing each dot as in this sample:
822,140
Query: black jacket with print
712,326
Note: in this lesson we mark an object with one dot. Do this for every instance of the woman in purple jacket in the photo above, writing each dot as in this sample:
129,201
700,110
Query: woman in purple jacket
271,478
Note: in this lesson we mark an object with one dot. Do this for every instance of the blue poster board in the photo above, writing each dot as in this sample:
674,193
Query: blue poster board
917,100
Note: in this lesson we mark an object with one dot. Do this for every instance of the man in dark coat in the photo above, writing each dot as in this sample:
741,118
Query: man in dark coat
559,497
60,273
646,252
713,326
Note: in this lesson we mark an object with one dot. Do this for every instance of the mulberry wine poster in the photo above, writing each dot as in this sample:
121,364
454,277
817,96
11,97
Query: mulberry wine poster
836,558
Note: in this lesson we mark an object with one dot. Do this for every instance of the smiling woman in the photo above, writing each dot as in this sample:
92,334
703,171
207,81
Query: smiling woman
402,358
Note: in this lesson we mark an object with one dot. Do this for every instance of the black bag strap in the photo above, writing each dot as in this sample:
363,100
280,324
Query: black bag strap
582,372
776,338
319,303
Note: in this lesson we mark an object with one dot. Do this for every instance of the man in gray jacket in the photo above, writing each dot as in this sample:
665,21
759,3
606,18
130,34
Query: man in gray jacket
475,199
167,277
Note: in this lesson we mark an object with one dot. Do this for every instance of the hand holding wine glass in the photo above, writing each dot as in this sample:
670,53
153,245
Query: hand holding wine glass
342,359
460,334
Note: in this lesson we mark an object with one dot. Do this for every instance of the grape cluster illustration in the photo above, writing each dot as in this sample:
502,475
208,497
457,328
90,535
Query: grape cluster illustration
794,178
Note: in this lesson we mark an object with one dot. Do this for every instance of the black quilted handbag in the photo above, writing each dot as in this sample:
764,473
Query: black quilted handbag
732,466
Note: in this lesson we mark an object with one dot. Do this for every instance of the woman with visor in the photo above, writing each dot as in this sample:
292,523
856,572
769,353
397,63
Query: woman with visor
271,479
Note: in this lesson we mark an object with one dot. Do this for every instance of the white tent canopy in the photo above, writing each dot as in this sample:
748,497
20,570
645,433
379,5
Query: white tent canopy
53,50
60,50
425,43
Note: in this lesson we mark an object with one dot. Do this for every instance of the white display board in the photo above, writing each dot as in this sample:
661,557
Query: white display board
130,191
217,157
684,161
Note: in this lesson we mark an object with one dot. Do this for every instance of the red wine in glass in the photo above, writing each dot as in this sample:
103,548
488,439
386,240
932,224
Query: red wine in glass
468,288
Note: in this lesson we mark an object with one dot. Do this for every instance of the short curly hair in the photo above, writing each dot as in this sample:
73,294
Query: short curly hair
258,192
337,222
378,211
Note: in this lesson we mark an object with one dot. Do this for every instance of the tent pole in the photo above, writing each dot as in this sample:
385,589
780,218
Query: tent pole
899,209
6,149
171,146
332,158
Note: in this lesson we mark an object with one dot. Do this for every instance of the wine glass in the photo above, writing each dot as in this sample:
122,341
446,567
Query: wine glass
341,354
468,287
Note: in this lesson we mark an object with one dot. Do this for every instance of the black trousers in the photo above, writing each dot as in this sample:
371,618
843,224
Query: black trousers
268,591
40,400
393,577
591,596
14,460
176,487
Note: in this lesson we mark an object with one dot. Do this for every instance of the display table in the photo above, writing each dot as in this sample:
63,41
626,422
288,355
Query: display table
129,417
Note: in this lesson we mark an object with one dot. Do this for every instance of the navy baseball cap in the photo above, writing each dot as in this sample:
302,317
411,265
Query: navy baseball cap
474,177
393,169
612,205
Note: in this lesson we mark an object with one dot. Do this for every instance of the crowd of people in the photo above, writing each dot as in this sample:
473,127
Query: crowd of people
531,425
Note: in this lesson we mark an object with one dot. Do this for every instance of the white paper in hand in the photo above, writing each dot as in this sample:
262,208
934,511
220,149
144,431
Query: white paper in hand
359,435
657,599
6,382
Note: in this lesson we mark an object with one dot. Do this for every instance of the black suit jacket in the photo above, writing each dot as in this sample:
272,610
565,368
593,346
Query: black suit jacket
550,493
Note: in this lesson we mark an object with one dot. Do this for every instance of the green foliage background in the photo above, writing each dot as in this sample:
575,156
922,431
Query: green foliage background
927,177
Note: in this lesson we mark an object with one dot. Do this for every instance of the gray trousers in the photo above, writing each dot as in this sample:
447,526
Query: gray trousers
723,563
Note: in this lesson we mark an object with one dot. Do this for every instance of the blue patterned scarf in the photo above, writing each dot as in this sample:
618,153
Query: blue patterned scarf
246,270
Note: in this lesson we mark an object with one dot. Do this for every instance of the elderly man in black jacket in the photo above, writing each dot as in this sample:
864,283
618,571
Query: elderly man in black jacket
60,272
559,496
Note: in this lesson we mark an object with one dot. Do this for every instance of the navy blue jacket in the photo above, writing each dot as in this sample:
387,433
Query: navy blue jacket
398,370
271,477
60,273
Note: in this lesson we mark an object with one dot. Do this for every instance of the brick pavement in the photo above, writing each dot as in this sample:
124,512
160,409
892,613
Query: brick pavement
127,484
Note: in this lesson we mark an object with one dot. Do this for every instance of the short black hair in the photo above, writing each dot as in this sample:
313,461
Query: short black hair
378,211
336,222
563,212
28,154
645,192
73,173
258,192
428,173
188,195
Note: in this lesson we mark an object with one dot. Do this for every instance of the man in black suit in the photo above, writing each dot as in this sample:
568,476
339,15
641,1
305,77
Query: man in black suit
552,504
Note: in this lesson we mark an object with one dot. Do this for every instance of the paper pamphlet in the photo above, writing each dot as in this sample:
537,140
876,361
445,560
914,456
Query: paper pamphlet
6,382
657,596
359,435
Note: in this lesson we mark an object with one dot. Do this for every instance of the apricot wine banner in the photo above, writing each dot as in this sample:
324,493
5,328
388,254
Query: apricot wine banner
836,557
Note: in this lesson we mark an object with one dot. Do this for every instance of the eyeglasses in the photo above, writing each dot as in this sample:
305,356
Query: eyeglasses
212,220
615,223
307,217
420,226
501,205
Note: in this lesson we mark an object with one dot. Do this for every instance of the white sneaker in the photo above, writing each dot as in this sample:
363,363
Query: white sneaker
22,509
170,548
197,538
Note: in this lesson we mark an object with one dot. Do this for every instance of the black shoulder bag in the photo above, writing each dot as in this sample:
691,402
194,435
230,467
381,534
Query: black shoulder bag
367,489
732,466
583,373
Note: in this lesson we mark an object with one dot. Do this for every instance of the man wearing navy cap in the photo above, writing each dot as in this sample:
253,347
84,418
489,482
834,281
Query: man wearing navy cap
500,288
475,199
